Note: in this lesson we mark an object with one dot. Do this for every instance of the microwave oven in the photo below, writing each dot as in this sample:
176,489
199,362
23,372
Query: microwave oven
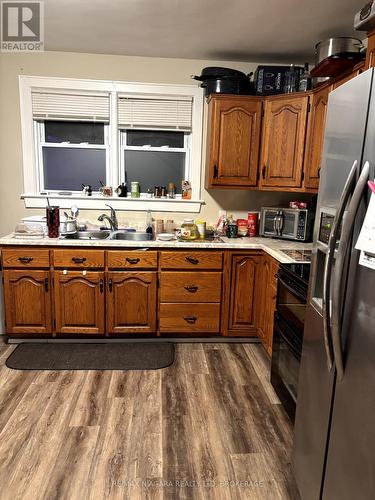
286,223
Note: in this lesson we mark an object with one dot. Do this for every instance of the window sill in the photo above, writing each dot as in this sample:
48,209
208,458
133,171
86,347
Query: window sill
100,202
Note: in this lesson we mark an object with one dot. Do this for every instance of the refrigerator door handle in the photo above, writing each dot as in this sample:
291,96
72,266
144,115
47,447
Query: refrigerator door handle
327,298
337,282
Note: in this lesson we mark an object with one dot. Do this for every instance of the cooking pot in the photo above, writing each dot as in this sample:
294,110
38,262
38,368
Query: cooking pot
215,79
68,226
337,47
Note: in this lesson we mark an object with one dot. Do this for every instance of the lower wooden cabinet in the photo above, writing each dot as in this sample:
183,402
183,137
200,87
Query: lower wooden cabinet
266,301
79,302
244,283
131,302
27,296
229,293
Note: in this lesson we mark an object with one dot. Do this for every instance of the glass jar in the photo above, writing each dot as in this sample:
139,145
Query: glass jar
189,230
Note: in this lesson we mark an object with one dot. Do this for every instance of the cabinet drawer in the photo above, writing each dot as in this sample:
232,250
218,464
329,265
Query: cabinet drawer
190,287
24,257
189,318
120,260
191,260
78,258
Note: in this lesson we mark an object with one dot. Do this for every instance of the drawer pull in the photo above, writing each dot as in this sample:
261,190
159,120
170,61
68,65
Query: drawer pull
25,260
192,260
132,260
191,288
190,319
78,260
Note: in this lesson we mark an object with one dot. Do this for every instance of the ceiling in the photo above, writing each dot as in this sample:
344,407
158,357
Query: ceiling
237,30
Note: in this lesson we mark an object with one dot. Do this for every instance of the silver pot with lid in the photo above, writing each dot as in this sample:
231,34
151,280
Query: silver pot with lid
343,46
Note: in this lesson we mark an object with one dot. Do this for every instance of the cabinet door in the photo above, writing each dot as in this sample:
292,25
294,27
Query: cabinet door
27,300
284,128
315,138
131,302
233,153
79,302
266,301
370,53
243,290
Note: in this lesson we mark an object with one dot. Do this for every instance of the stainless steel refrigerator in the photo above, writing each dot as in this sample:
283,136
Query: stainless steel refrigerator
334,435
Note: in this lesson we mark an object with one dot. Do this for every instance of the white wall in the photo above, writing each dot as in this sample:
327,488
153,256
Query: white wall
77,65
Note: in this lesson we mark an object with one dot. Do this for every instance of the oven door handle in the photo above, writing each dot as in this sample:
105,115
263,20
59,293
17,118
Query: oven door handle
292,290
275,225
328,266
289,343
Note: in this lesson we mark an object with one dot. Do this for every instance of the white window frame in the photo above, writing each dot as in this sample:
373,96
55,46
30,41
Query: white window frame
31,162
40,143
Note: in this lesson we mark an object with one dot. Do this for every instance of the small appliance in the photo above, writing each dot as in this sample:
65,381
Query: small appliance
286,223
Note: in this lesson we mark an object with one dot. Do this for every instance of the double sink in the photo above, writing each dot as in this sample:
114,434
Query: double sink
105,234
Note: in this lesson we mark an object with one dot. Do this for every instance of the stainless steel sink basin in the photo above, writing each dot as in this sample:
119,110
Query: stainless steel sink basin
89,235
136,236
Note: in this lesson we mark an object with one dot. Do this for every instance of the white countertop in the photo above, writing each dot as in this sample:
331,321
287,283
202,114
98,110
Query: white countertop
271,246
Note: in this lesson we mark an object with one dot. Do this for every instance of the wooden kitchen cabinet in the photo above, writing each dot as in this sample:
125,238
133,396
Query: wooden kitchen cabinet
27,298
79,302
370,53
315,138
234,127
131,302
243,289
284,128
265,301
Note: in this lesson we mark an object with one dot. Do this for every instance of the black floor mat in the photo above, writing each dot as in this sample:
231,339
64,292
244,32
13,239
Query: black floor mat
75,356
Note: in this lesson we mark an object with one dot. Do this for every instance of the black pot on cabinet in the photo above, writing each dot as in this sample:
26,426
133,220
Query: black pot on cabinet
217,80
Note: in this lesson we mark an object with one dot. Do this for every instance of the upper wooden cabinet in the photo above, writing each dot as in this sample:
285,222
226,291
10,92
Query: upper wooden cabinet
27,296
284,128
315,138
234,140
370,53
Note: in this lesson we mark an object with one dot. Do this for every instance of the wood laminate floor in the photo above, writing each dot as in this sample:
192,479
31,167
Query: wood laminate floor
208,427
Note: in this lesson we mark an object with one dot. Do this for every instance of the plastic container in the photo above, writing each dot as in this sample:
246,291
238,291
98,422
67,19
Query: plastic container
189,230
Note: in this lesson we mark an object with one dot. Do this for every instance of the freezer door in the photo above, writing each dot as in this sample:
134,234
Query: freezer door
343,145
350,470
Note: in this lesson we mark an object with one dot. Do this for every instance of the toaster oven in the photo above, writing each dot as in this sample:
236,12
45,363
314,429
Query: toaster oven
286,223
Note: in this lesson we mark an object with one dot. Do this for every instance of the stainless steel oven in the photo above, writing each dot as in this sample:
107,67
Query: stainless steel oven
286,223
288,332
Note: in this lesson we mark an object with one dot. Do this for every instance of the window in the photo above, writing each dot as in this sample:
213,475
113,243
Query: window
154,158
71,154
78,132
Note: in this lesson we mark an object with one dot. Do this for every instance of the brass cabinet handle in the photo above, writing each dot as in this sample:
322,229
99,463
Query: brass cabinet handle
192,260
190,319
132,260
25,260
191,288
78,260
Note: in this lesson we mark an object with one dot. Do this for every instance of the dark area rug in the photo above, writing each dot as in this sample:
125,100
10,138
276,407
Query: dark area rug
71,356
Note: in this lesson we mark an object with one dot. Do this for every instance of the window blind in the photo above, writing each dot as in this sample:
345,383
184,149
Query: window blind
152,113
66,106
